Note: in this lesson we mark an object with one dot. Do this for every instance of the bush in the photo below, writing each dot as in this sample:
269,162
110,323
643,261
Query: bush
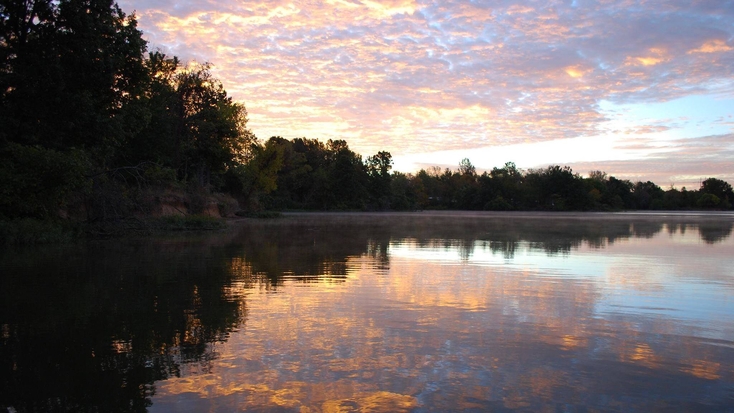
708,201
37,182
227,204
28,231
498,204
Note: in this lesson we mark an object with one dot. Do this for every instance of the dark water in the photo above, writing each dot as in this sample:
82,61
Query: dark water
404,312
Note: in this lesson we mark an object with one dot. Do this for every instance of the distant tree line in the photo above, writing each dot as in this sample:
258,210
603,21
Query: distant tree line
330,176
558,188
94,125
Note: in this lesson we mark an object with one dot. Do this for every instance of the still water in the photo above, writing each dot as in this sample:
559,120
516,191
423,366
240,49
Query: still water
377,312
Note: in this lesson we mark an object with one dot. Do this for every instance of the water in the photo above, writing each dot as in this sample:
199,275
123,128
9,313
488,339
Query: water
359,312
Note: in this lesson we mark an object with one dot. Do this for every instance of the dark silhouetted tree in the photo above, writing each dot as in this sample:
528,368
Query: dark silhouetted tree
647,195
720,189
466,167
378,169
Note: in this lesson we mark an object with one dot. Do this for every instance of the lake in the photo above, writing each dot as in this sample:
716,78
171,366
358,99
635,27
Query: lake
428,311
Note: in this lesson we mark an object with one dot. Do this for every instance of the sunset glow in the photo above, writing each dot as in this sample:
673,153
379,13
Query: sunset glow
435,82
415,316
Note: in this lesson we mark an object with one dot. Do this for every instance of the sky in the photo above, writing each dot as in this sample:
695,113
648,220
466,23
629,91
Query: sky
643,90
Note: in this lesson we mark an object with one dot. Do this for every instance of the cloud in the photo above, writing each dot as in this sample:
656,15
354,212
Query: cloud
414,76
712,46
684,162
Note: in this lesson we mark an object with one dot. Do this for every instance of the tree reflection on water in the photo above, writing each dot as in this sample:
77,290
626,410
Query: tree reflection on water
93,327
90,328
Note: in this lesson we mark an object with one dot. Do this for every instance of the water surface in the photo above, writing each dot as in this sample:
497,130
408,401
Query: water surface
377,312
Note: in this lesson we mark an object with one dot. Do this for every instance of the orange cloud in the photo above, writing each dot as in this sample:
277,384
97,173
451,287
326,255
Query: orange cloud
576,71
713,46
653,57
438,76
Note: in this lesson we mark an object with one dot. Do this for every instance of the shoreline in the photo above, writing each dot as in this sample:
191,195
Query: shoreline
578,215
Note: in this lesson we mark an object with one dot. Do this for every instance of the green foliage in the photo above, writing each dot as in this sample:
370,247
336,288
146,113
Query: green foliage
25,231
258,176
647,195
159,175
466,167
92,127
68,69
320,176
403,192
379,165
720,189
212,127
498,204
347,178
37,182
379,182
618,194
558,188
708,201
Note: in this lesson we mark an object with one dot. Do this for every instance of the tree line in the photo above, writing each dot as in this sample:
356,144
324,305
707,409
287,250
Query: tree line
328,176
93,125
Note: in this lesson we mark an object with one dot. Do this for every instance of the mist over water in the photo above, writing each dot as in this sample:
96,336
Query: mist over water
379,312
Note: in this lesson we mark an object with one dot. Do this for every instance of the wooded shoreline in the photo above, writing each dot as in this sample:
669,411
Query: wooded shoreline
100,135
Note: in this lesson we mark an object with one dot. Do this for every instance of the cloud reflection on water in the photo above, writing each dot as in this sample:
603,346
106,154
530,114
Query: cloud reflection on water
381,312
448,322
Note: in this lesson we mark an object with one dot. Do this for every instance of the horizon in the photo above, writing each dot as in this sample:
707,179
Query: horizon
642,92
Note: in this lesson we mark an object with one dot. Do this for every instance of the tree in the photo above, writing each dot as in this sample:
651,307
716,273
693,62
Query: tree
648,195
558,188
380,164
708,200
293,182
158,112
347,177
249,181
403,194
37,182
76,87
212,132
378,168
618,194
719,188
71,72
506,183
466,167
599,176
67,70
26,30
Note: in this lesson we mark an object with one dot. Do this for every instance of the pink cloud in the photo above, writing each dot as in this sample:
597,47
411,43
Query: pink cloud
415,76
685,162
